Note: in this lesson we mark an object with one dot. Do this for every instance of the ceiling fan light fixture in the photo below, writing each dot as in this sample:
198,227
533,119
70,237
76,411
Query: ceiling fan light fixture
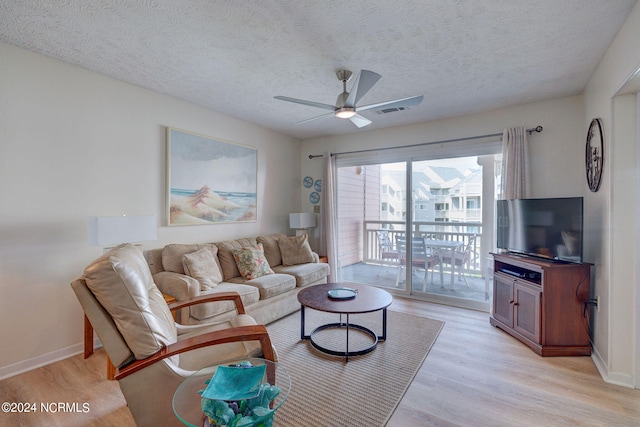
345,112
346,105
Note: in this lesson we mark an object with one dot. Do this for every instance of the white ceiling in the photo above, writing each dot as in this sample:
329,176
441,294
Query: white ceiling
234,56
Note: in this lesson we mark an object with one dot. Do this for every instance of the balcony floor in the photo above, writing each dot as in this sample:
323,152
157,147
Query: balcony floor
385,277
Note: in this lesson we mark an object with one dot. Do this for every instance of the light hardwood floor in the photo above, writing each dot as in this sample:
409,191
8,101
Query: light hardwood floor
475,375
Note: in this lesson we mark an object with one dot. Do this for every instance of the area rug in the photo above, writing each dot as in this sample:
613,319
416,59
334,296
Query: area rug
327,391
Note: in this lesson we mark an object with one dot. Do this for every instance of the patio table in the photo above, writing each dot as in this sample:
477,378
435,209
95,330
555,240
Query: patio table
441,245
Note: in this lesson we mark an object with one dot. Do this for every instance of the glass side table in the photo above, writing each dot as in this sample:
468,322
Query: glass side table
187,403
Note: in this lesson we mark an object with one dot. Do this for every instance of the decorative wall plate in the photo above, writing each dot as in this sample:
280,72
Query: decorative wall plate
318,185
314,198
307,182
594,155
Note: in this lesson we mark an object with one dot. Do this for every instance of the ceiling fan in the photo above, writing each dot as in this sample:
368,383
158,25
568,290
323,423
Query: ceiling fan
346,105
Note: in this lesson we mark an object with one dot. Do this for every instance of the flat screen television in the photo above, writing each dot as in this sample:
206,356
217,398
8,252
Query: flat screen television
548,228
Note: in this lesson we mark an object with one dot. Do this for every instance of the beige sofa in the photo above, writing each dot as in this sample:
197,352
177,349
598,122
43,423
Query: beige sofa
266,298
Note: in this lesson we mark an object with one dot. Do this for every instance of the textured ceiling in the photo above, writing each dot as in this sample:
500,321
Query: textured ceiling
234,56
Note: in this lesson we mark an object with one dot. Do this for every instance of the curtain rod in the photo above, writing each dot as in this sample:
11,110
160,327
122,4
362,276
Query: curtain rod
468,138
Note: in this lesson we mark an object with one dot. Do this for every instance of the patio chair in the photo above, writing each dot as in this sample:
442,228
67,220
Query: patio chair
461,259
152,352
421,257
388,253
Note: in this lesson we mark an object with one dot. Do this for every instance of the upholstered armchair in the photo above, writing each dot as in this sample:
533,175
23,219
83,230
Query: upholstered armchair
153,354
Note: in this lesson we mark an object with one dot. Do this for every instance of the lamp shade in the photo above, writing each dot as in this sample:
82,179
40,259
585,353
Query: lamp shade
299,221
113,230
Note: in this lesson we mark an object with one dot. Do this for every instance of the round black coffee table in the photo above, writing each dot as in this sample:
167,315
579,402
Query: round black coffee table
368,299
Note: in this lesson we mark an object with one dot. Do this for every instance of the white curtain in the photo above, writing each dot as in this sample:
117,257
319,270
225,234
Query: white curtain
515,164
328,216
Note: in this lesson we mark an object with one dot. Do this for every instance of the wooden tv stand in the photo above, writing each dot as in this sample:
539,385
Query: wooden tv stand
542,303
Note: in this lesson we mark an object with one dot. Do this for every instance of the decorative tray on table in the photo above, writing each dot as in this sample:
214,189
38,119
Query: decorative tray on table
342,293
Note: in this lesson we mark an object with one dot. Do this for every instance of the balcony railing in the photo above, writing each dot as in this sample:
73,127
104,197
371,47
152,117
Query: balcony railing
451,231
466,214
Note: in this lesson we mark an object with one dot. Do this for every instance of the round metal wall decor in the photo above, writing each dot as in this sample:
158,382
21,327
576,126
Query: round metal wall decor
594,154
314,198
307,182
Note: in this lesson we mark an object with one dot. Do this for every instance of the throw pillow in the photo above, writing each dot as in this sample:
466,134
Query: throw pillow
271,249
172,256
227,260
202,266
295,250
251,262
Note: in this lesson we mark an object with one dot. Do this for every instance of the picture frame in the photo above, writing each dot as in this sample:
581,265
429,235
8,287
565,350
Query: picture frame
209,180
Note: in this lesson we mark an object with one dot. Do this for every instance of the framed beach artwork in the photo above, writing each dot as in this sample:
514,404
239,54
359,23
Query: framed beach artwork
210,181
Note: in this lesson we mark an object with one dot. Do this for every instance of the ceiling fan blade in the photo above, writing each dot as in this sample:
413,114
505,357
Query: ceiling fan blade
315,118
309,103
360,121
364,82
396,103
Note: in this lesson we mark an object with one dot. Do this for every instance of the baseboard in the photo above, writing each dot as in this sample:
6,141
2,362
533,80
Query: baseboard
617,378
43,360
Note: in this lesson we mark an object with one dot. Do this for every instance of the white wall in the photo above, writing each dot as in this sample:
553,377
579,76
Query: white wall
556,154
75,144
613,212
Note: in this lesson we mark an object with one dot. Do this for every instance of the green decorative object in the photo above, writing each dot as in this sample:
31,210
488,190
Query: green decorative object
235,382
236,397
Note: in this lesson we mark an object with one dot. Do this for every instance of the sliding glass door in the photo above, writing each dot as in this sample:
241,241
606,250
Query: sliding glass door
421,228
447,229
371,212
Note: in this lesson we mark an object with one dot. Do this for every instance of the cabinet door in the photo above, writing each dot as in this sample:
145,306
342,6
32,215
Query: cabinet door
526,311
503,299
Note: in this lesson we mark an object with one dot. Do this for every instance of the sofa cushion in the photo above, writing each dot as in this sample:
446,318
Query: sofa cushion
305,273
251,262
226,258
121,281
295,250
271,248
172,256
271,285
203,266
248,294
